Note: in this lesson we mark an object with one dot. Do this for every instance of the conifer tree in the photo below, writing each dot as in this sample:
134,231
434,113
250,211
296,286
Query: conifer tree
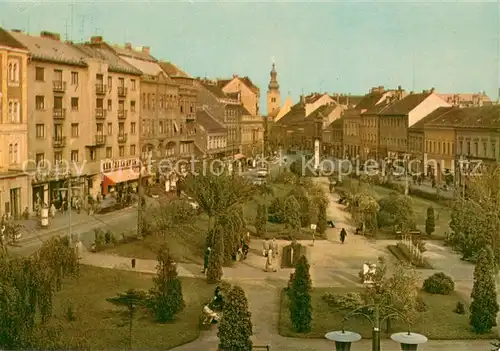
484,306
235,328
292,213
166,296
300,297
214,271
322,220
430,222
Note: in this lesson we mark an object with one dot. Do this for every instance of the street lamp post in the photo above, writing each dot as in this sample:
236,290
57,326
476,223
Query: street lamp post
343,339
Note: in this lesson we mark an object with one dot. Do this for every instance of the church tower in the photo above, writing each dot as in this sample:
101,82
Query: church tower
273,94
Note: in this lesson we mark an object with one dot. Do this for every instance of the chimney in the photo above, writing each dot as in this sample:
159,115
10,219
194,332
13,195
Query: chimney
400,88
302,99
381,89
145,49
96,39
425,91
50,35
235,76
128,46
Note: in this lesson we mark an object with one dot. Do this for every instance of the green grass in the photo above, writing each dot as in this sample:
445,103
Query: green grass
441,212
104,326
186,243
439,322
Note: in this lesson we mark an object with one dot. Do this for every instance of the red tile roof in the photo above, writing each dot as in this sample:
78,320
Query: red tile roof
443,116
221,83
369,101
172,70
214,89
469,117
405,105
324,110
8,40
205,119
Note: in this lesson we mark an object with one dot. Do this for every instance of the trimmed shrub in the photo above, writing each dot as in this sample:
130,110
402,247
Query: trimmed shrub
430,224
235,328
300,297
349,302
286,178
460,308
439,283
420,306
287,261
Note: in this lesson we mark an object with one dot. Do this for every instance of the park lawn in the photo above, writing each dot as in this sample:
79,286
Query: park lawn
104,326
439,322
420,206
186,243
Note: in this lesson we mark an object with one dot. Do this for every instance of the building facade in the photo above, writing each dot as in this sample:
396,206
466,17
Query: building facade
332,139
242,89
14,182
212,136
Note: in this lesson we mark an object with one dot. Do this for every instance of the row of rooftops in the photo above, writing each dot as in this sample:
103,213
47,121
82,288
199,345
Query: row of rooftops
48,47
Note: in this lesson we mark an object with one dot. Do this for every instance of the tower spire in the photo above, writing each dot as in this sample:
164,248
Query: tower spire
273,83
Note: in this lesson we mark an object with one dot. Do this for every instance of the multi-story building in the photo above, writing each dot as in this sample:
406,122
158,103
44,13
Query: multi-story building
243,89
212,136
226,110
59,126
162,126
187,106
431,142
113,90
467,100
399,116
478,135
14,182
252,135
332,139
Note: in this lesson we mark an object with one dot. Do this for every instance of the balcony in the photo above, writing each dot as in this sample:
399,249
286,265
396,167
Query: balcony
58,86
59,113
59,141
122,91
100,139
122,114
122,137
190,117
100,89
100,113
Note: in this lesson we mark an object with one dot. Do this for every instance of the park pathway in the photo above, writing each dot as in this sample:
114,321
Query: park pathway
332,264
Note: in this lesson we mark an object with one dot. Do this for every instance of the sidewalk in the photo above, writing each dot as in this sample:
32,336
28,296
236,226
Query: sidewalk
427,187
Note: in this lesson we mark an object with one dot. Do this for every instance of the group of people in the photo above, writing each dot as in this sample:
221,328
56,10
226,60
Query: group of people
216,304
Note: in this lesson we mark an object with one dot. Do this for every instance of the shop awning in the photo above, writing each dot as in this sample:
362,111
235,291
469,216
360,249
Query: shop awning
122,176
238,156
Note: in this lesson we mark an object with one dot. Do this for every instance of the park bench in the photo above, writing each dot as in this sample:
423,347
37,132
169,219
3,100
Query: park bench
415,232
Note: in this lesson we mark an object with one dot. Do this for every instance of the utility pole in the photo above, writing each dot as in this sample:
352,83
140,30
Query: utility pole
139,205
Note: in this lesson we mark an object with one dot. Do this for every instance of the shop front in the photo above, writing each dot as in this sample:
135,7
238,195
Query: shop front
14,194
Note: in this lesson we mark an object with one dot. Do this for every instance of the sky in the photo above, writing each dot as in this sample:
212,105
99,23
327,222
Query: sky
344,47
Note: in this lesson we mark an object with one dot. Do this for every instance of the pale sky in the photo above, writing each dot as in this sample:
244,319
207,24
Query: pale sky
344,47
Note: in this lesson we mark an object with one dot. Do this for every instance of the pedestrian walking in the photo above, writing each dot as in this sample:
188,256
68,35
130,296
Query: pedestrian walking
270,262
343,235
274,247
206,257
265,247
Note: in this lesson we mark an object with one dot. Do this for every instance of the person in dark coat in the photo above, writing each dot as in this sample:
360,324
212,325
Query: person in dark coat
343,234
206,256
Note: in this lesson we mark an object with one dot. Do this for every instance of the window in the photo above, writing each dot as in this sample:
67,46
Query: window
132,128
74,104
75,132
110,128
58,102
58,157
40,102
153,101
74,78
110,82
485,149
121,151
110,105
40,160
273,99
121,82
13,73
99,103
132,83
162,127
468,148
143,100
14,112
476,148
132,106
132,150
182,109
58,75
74,155
39,74
40,131
100,128
92,155
14,153
109,152
121,128
460,147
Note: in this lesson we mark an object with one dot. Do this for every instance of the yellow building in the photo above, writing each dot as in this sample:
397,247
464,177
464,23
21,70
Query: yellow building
399,116
242,89
14,181
431,142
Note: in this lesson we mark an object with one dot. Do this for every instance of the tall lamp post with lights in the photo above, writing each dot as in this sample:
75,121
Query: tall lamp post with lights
343,339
